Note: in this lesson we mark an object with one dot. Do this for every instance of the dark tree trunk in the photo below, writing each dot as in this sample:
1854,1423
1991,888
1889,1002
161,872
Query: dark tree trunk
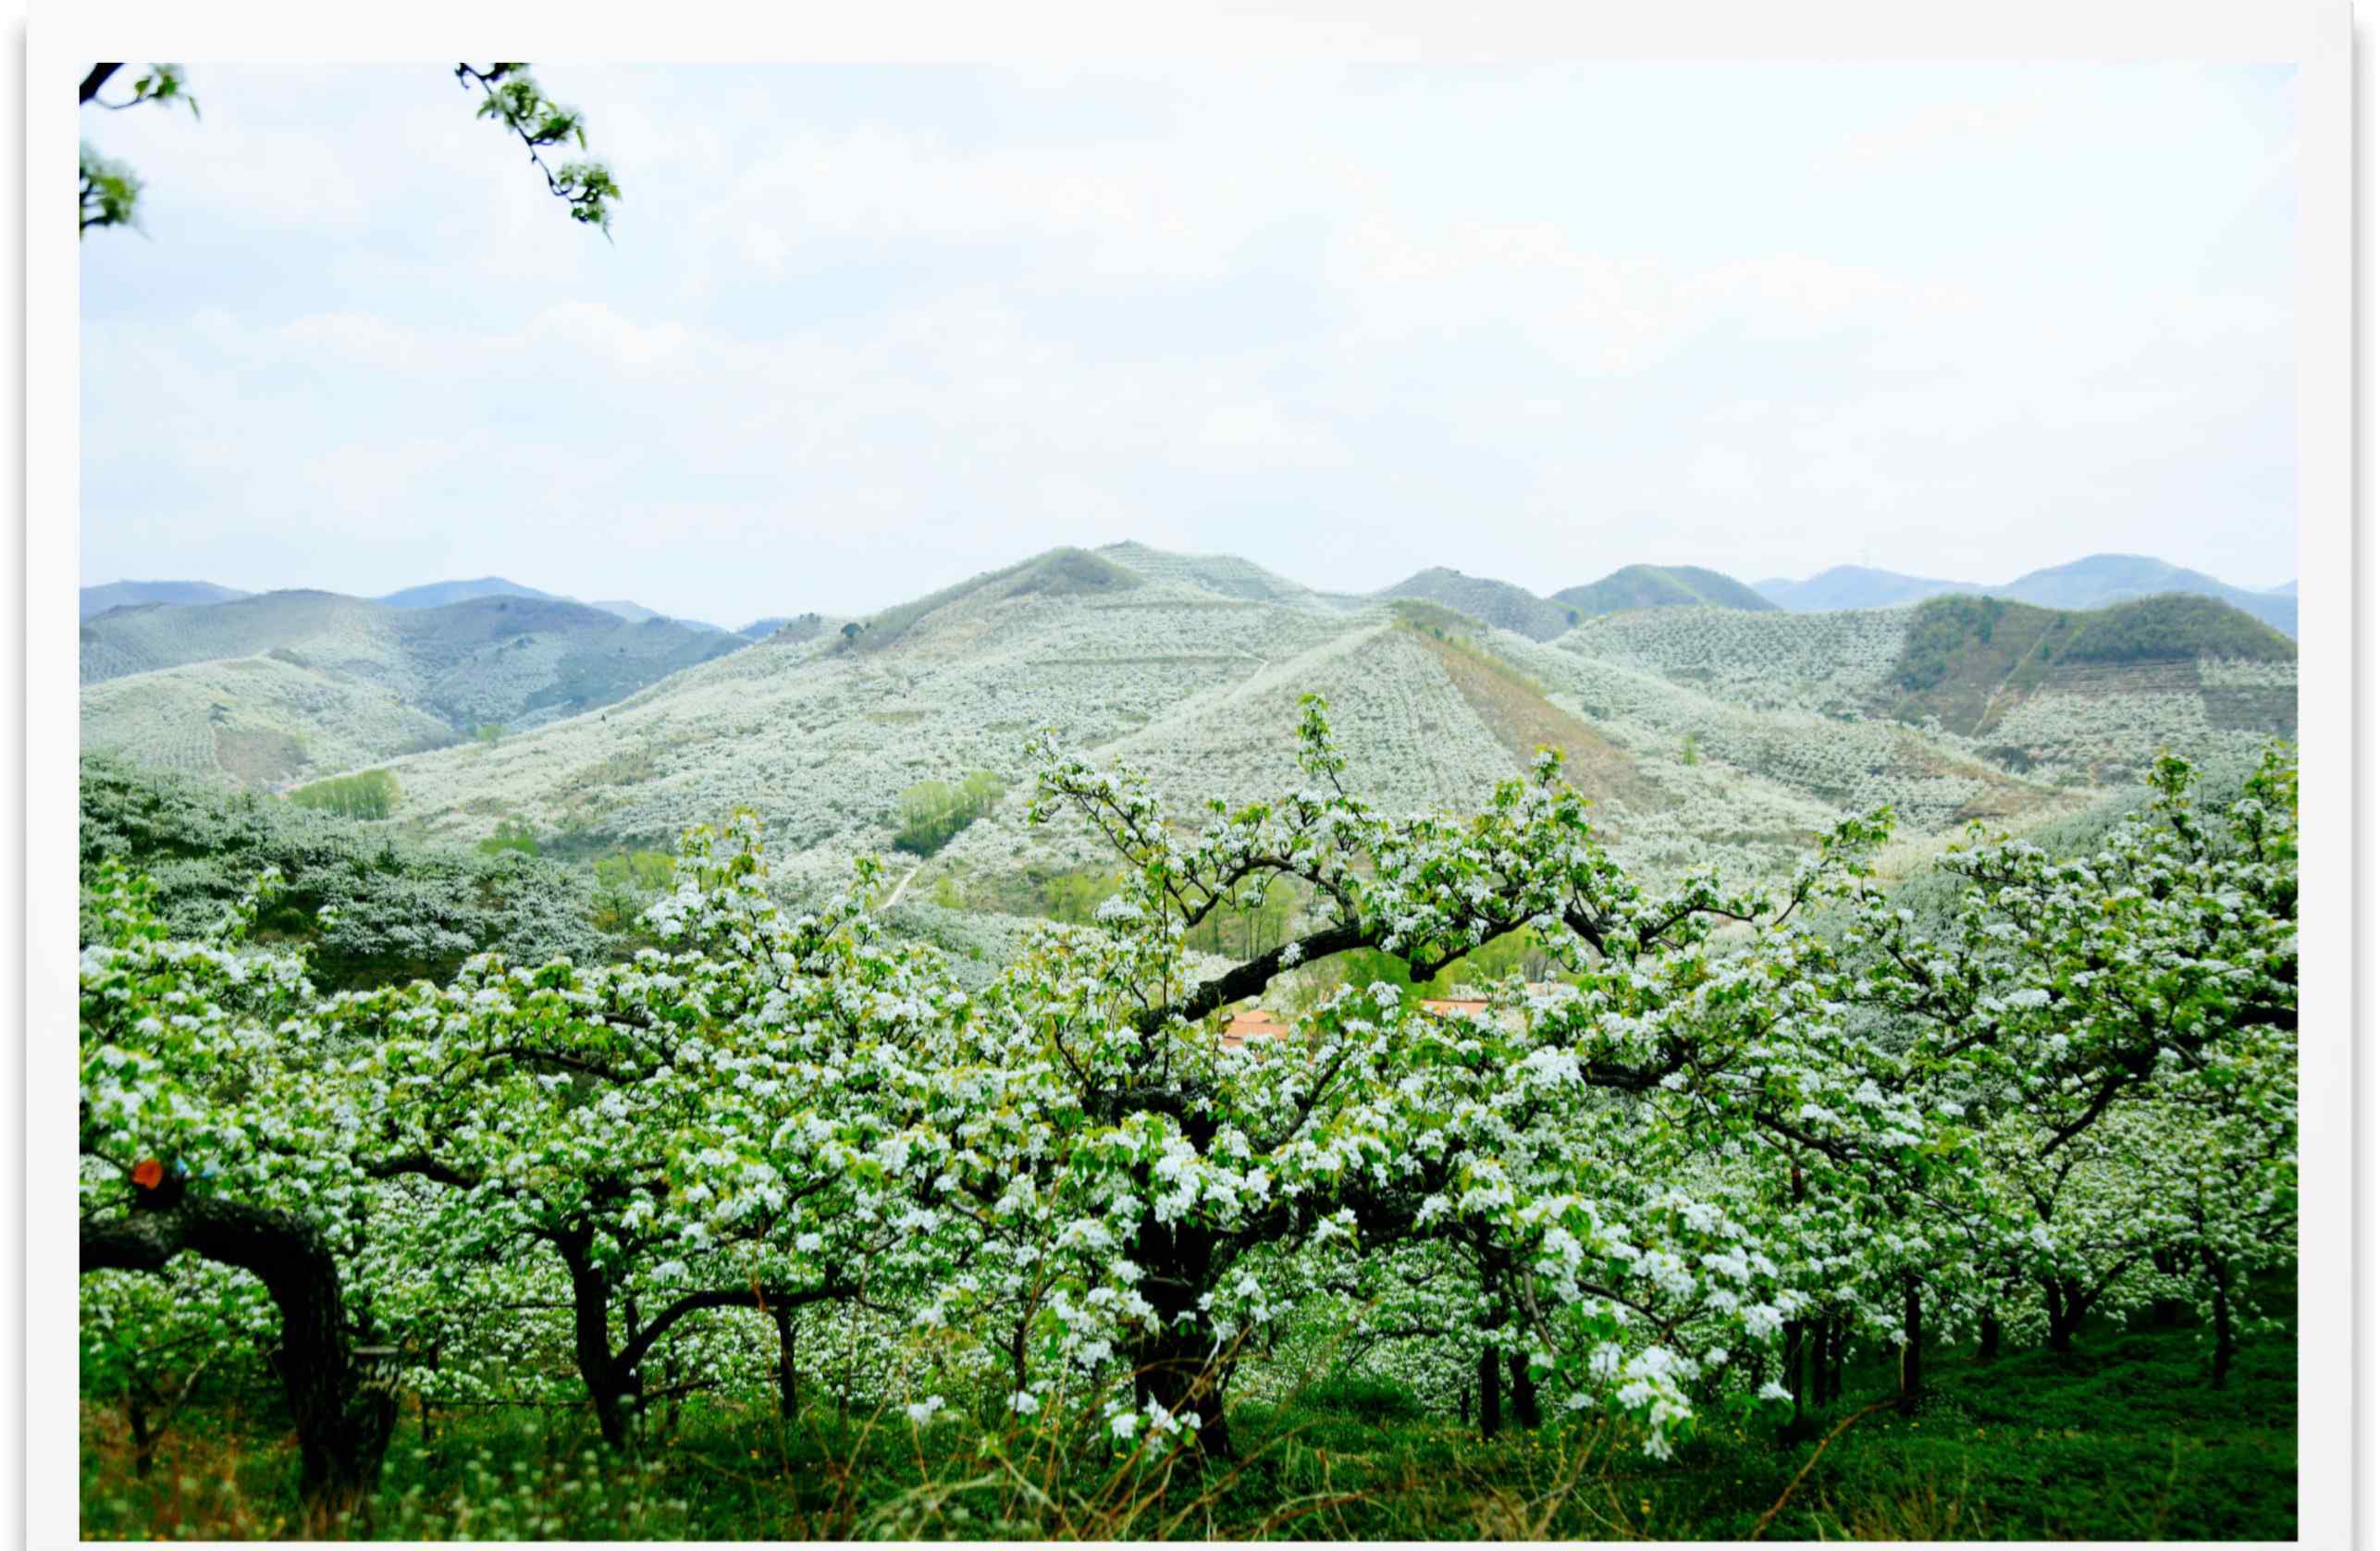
144,1443
2068,1304
1987,1340
1525,1390
1178,1366
1491,1400
787,1398
342,1421
609,1389
1836,1345
2226,1341
1913,1372
429,1420
1184,1378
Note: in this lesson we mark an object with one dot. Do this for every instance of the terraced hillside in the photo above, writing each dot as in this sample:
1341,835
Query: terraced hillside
291,683
1661,587
1490,602
259,721
1224,576
822,734
1706,736
352,633
2077,698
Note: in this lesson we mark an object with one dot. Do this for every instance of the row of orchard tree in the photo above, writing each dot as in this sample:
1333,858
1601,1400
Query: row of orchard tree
1750,1132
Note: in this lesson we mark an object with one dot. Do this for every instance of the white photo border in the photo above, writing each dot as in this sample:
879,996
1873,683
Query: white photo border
2315,38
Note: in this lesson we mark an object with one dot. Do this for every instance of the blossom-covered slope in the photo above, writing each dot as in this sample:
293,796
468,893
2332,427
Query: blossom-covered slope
1704,735
261,689
1130,655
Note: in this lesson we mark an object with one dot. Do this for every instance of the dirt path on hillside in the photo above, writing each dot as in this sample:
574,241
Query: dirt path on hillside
895,897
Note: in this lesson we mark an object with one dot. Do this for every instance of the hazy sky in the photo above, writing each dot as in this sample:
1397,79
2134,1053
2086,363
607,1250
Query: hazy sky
865,332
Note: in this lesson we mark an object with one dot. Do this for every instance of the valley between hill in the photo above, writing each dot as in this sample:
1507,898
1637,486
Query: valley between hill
1707,735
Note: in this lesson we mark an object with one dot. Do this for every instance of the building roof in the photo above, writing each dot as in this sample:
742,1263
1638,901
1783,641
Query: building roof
1254,1023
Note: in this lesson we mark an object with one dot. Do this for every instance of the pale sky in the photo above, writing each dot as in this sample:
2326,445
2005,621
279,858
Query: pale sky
864,332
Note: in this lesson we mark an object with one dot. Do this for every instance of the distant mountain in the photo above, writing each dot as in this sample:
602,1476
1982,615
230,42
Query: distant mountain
1728,732
636,613
1855,586
432,595
264,689
785,628
2096,581
1500,603
1702,733
1661,587
119,595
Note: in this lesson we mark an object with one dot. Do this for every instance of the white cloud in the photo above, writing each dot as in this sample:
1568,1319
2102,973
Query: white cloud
863,333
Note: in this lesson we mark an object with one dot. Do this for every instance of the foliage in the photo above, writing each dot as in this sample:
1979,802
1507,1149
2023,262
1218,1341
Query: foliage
1075,897
514,100
366,795
367,905
626,883
1962,653
1740,1119
2115,1442
934,811
110,193
511,835
2177,625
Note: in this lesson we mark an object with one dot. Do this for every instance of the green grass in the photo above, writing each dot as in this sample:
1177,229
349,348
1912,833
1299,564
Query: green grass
2121,1439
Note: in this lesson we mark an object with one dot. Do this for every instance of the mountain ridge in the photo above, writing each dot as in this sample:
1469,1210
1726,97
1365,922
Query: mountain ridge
2093,581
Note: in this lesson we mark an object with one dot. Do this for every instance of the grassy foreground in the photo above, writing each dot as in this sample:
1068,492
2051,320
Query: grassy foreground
2119,1440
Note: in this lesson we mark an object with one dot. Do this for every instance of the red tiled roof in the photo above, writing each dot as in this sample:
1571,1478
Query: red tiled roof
1254,1023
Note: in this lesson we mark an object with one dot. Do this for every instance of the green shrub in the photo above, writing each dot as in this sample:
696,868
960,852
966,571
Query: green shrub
934,811
371,907
369,794
511,834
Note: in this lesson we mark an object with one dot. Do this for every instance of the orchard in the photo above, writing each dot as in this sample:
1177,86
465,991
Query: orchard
1736,1140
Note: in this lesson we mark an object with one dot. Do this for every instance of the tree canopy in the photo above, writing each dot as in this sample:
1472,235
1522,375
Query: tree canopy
1741,1127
